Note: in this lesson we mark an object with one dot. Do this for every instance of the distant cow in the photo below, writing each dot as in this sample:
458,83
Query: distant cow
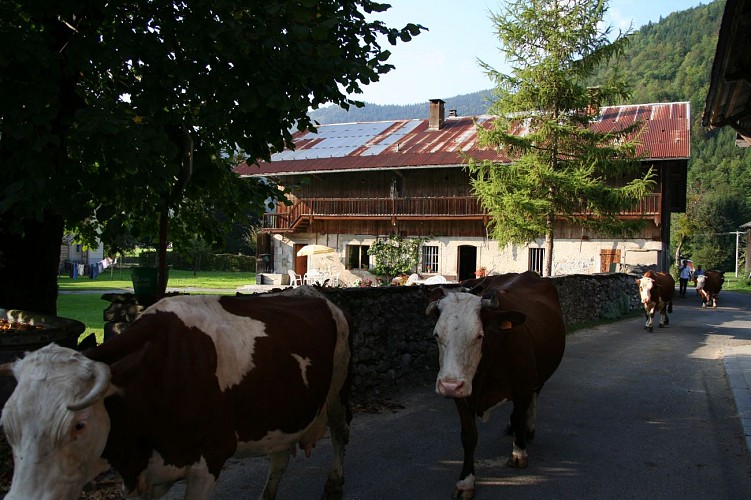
708,287
499,347
192,382
656,290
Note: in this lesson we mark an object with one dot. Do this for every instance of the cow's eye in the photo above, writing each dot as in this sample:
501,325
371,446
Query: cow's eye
80,426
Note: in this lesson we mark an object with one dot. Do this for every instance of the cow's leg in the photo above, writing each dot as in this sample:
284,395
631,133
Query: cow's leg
465,487
532,417
339,438
199,483
277,465
664,320
649,311
519,423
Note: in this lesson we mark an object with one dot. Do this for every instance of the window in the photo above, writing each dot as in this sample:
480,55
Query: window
429,262
536,260
357,257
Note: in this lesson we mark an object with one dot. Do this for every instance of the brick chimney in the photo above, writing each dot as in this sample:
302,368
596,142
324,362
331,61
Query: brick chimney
594,96
435,118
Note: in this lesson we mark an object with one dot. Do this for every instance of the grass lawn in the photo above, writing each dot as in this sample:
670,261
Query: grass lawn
120,279
89,307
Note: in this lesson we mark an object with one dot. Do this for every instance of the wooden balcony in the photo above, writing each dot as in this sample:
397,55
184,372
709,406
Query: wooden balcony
301,214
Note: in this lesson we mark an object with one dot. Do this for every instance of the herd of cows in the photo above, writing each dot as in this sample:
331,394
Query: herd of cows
657,289
196,380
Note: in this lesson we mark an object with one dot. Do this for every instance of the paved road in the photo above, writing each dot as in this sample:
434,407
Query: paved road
628,415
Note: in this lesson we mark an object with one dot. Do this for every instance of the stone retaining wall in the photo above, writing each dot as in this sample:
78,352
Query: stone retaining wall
393,338
393,344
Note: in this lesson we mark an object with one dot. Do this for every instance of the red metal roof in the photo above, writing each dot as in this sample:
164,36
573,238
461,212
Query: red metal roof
410,144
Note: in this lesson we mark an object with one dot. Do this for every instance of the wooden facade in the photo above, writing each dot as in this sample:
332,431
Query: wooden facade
350,184
418,202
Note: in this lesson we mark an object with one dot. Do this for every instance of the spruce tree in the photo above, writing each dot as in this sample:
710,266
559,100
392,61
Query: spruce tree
559,167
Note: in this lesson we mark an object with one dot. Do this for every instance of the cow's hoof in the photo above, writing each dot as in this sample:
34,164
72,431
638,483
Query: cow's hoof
517,462
333,490
667,321
661,326
463,494
650,329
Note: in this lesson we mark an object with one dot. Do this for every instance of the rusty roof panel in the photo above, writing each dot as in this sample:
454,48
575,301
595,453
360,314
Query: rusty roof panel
664,135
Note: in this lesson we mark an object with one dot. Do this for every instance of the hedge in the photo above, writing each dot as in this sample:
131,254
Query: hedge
210,262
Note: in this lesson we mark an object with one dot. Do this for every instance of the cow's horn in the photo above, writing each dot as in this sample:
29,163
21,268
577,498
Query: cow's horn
490,302
7,368
101,384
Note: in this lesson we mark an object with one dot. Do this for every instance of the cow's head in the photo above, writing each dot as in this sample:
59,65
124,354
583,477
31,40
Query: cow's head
700,280
463,321
56,423
648,289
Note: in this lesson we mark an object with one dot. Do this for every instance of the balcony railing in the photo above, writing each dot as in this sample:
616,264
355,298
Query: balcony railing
305,210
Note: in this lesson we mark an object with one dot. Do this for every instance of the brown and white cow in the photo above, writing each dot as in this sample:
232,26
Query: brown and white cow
708,287
656,290
193,381
499,347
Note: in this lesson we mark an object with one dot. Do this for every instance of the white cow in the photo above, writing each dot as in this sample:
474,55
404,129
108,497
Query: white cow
179,393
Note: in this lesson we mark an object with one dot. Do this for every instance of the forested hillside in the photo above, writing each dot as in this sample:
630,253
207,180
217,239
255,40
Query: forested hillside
671,61
472,104
666,61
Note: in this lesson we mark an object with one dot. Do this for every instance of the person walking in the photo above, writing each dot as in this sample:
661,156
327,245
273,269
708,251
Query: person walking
684,275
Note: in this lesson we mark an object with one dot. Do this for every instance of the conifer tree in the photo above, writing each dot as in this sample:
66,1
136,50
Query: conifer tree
560,168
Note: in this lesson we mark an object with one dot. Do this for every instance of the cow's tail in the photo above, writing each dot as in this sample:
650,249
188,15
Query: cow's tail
670,305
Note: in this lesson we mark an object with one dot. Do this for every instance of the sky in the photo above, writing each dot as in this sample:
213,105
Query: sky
442,62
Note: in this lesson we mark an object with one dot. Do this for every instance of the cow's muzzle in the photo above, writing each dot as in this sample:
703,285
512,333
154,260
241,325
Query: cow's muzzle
449,388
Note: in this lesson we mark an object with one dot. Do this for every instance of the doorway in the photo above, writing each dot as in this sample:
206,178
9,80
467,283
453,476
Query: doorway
467,262
301,263
609,260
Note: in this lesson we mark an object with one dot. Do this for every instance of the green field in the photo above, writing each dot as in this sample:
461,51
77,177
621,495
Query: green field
85,303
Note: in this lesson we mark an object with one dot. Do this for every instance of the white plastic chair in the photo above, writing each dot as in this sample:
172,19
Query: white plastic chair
413,279
294,279
433,280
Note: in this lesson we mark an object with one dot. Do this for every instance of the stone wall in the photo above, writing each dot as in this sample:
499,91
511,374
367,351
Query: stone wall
393,338
393,344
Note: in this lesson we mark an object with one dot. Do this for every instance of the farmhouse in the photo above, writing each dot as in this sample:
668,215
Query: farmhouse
351,183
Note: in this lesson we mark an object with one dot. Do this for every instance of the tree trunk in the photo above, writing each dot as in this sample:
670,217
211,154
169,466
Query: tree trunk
29,265
549,246
161,280
678,251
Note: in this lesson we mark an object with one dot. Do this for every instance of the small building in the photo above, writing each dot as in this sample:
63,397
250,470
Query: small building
729,96
351,183
83,257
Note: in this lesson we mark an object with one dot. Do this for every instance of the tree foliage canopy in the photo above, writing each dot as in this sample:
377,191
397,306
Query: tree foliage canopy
561,168
100,102
95,98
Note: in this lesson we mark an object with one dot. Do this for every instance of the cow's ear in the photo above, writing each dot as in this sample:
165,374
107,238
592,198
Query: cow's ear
437,294
510,319
126,368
